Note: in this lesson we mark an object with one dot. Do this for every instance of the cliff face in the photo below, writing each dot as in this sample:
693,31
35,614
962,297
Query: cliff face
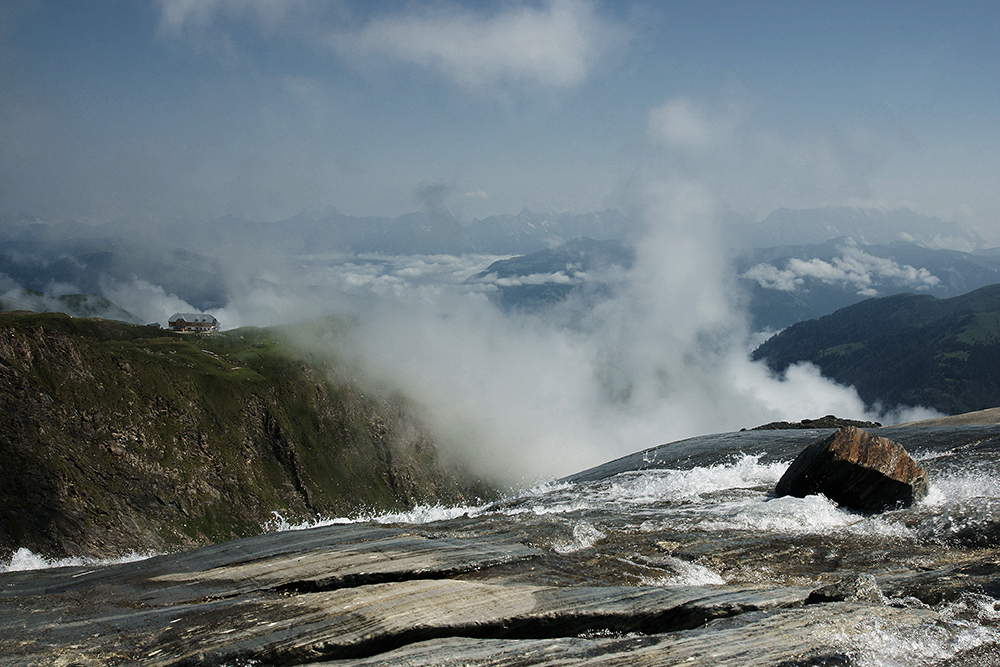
116,437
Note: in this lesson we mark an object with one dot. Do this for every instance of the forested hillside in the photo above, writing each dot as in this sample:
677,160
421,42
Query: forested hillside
904,350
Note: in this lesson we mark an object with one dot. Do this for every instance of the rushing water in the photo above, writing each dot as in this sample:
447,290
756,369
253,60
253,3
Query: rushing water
701,512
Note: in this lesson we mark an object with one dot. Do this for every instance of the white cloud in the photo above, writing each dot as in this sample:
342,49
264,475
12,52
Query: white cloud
769,276
151,303
526,395
558,278
523,395
177,16
681,123
854,268
556,44
753,166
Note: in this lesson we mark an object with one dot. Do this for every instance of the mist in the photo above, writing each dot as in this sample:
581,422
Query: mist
687,118
521,396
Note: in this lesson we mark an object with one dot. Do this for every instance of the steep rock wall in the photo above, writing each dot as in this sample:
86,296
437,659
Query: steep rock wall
116,437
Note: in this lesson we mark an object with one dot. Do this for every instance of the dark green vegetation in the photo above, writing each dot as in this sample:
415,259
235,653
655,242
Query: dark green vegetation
904,350
117,437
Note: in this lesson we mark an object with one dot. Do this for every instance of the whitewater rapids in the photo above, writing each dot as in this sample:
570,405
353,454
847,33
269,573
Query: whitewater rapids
699,514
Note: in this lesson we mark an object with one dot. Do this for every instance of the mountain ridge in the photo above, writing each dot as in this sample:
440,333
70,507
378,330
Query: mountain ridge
115,437
904,349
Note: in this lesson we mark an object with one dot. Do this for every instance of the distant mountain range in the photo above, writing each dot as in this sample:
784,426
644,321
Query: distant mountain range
782,285
419,233
540,279
786,226
437,232
905,349
198,279
792,266
187,259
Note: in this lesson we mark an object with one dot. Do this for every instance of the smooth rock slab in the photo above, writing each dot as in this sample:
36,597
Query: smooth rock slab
354,623
855,469
493,589
330,593
831,634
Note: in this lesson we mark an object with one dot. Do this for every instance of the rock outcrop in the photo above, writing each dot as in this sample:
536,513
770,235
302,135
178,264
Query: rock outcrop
116,437
857,470
829,421
369,595
356,594
653,584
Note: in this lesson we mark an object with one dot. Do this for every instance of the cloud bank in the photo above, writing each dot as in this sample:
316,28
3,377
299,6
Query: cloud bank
191,19
555,44
855,269
754,166
682,123
525,395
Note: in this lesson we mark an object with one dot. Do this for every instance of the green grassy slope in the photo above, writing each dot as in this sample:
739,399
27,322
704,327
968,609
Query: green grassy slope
904,350
117,437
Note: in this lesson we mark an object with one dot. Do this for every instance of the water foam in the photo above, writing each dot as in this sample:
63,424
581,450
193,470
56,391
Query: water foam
965,485
880,643
812,514
654,486
585,535
419,515
424,514
685,574
25,559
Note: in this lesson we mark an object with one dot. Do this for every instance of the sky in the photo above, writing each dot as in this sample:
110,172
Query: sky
686,115
266,108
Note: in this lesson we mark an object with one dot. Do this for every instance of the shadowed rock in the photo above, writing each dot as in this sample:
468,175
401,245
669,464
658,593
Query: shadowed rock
856,469
829,421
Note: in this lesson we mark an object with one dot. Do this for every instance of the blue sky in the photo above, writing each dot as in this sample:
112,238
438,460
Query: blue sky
265,108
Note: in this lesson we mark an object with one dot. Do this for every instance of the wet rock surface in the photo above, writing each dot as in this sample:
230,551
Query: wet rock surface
634,567
856,469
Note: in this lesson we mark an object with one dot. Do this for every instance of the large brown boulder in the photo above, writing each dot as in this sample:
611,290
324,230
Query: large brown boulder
856,469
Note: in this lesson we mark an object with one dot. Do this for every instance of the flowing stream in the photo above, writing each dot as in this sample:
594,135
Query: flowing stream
701,513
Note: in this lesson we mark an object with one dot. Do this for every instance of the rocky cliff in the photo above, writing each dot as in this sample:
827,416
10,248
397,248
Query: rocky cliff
116,437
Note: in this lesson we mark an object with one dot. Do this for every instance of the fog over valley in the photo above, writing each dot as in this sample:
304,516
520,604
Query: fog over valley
659,351
560,226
